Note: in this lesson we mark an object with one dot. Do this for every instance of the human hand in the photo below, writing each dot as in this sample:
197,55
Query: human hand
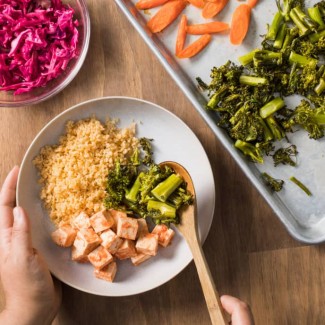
32,296
239,310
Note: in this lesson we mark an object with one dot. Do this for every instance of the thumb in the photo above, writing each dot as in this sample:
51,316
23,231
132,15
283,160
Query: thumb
21,241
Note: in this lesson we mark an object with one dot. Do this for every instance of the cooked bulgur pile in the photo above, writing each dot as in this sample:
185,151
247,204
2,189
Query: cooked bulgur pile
73,173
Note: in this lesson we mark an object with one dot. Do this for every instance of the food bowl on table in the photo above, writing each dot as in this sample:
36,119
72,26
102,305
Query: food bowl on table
43,53
175,142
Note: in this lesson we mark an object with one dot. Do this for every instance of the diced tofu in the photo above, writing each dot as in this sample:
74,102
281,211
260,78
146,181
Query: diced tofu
147,244
101,221
111,241
107,273
81,221
64,236
126,250
165,234
127,227
116,215
100,257
142,227
78,255
140,258
86,241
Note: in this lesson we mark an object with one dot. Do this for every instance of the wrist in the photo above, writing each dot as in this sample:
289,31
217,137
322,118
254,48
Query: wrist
26,316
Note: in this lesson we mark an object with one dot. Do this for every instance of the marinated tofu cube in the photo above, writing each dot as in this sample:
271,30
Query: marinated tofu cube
107,273
147,244
126,250
101,221
100,257
78,255
81,221
86,241
142,227
64,236
127,227
165,234
116,215
111,241
140,258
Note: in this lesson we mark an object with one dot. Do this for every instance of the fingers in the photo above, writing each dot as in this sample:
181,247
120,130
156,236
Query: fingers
21,241
239,310
8,198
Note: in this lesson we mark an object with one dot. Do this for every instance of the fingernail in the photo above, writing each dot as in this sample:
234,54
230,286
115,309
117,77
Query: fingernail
18,215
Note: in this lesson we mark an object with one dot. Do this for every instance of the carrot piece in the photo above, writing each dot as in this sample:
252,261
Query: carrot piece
195,47
208,28
252,3
211,9
166,15
181,35
148,4
197,3
240,23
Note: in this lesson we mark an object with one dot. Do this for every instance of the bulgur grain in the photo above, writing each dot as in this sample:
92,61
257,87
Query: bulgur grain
73,173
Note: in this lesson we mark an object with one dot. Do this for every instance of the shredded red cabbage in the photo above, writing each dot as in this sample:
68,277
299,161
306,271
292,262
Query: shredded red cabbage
38,38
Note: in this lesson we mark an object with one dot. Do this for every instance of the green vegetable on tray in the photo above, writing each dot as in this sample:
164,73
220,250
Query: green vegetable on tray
249,98
146,189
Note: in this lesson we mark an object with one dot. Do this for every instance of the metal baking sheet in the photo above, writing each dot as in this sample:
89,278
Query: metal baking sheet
303,216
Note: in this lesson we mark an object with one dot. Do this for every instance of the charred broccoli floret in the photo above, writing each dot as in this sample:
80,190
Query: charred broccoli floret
275,184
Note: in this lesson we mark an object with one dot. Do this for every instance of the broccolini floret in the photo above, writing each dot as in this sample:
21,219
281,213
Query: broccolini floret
275,184
285,156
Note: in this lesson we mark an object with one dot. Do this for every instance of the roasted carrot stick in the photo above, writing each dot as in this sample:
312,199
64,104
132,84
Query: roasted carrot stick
252,3
208,28
181,35
148,4
166,15
195,47
211,9
197,3
240,23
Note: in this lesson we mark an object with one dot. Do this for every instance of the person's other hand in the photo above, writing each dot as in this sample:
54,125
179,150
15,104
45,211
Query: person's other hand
238,310
31,295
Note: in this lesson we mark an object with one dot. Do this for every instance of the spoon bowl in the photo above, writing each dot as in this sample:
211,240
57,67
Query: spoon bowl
188,227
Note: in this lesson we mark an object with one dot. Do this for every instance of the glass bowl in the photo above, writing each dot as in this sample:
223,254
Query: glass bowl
37,95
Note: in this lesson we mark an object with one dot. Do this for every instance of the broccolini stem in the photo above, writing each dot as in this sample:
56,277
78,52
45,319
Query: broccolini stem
268,135
303,30
302,60
301,185
316,16
247,58
264,57
280,37
165,209
214,100
315,37
274,27
320,87
275,128
252,81
165,188
309,23
133,193
289,37
250,150
271,107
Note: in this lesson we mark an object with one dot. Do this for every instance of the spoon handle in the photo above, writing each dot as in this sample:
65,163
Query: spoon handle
210,292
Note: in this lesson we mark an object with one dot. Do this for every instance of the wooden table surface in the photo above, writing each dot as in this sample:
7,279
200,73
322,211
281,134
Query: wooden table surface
250,254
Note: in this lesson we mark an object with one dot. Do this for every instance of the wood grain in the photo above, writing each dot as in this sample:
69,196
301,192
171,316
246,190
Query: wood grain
248,250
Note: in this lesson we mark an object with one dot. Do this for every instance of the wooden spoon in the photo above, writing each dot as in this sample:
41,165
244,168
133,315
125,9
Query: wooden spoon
189,229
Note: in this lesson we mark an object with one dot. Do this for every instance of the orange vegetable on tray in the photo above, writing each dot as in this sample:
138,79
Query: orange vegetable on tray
166,15
181,35
208,28
195,47
197,3
148,4
252,3
211,9
240,23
